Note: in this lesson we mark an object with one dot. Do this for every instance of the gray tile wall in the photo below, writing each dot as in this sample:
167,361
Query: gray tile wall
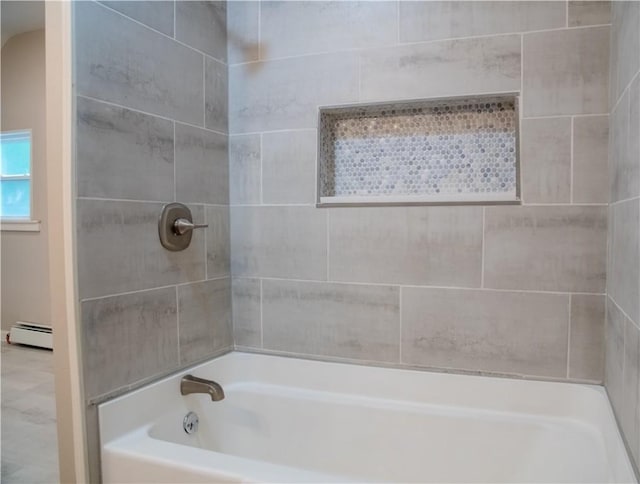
622,375
151,128
517,290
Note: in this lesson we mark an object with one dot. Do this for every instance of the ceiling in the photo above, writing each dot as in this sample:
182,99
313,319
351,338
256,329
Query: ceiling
20,16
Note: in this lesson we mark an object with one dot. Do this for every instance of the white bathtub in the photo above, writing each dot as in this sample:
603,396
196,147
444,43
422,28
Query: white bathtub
293,420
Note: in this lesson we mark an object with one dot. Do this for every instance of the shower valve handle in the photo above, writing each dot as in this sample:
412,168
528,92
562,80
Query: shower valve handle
182,225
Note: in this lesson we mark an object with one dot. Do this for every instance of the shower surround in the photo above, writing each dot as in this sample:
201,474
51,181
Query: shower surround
622,375
514,290
151,128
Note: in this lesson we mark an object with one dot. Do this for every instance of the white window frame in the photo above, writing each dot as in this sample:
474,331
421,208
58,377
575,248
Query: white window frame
21,224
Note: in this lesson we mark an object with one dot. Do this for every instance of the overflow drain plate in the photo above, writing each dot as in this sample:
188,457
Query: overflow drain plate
190,423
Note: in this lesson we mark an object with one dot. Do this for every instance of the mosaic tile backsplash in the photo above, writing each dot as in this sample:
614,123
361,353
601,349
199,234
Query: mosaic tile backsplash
441,150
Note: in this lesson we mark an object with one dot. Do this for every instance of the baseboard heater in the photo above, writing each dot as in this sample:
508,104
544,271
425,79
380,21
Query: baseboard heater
31,334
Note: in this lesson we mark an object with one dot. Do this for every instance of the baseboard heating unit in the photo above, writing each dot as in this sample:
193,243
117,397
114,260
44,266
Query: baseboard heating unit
31,334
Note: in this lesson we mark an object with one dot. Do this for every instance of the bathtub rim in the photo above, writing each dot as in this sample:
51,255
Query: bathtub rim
609,429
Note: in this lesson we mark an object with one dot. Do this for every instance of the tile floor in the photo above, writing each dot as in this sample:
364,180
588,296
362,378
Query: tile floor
28,424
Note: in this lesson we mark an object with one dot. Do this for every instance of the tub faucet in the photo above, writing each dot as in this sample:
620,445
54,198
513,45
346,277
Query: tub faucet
192,384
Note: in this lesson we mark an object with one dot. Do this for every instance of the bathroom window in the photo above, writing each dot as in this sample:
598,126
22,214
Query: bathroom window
456,150
15,175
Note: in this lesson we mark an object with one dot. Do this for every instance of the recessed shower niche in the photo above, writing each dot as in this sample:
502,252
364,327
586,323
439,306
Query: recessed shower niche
454,150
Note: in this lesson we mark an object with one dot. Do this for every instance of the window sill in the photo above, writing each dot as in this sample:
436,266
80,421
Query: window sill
20,225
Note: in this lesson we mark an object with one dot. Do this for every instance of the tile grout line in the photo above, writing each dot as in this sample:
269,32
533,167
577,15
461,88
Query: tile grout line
398,22
166,36
482,255
158,116
206,259
261,318
261,173
623,92
420,367
565,204
624,355
566,14
571,161
150,289
400,331
204,92
521,107
175,179
418,43
423,205
557,116
417,286
569,335
271,131
178,322
632,199
259,30
636,324
106,199
359,80
328,249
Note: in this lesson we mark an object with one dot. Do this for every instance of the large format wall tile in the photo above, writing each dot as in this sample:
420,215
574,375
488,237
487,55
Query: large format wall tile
341,320
287,242
242,31
634,127
203,25
428,20
117,148
446,68
589,12
123,62
561,248
565,72
624,155
546,160
128,338
136,87
415,245
590,146
216,99
202,166
245,167
630,414
297,28
119,249
157,14
247,330
586,349
624,271
285,94
511,332
204,315
625,45
614,356
289,167
218,249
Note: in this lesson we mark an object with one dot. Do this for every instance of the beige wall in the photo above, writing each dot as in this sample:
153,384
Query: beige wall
24,257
